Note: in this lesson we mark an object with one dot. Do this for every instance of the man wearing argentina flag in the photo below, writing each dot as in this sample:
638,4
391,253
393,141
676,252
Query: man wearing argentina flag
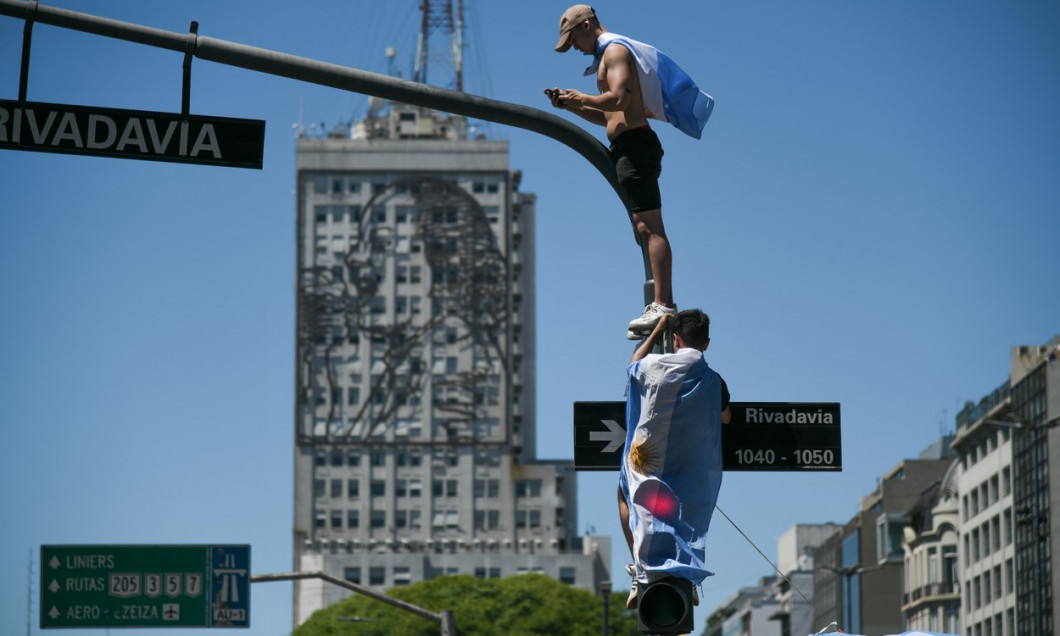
637,82
671,462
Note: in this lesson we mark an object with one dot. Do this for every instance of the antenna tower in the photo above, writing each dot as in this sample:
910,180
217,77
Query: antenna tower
440,20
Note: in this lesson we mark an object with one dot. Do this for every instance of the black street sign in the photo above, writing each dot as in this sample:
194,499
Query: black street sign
132,134
762,436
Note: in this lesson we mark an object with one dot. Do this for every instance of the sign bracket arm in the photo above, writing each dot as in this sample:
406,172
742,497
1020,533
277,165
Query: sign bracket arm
189,52
27,37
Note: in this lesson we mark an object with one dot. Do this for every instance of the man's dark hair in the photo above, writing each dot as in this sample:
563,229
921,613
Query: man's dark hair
693,326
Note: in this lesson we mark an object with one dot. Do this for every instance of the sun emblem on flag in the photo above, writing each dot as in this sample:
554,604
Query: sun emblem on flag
644,456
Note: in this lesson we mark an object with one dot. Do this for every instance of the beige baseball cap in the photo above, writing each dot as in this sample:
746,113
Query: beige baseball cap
572,17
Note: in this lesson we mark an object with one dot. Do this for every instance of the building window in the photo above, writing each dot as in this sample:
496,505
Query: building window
353,488
889,536
528,488
336,519
353,518
352,574
319,488
378,518
567,575
376,575
378,488
336,488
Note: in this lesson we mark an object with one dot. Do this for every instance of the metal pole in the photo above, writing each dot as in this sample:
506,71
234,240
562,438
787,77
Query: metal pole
335,76
348,79
360,589
447,624
605,591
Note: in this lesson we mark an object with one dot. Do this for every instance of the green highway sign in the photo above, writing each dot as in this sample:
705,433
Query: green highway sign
145,586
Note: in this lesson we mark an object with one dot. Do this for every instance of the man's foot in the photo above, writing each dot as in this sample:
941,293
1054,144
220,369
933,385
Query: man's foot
652,313
632,600
633,335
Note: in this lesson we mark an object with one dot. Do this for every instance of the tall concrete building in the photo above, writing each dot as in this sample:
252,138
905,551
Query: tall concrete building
796,550
748,612
858,573
1009,484
986,549
415,366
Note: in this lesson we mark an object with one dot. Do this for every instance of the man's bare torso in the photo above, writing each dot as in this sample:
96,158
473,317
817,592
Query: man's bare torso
633,115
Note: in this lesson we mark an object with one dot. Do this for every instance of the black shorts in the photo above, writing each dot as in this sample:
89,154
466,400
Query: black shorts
637,154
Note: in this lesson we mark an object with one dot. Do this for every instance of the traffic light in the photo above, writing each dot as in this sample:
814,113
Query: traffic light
665,607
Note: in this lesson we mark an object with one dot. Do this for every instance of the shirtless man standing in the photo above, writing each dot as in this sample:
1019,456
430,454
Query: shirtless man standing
635,148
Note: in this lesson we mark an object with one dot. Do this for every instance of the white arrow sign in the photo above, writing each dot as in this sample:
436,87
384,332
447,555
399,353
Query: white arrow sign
54,613
54,586
615,435
54,563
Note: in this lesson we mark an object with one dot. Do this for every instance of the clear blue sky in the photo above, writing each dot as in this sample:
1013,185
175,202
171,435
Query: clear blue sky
872,217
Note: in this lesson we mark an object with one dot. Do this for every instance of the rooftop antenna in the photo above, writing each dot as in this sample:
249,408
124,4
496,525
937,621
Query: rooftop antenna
391,69
439,17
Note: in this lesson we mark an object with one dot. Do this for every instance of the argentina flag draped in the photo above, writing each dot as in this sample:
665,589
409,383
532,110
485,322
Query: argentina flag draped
669,93
671,467
902,634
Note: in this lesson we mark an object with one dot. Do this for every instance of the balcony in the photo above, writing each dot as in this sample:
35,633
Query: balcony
932,592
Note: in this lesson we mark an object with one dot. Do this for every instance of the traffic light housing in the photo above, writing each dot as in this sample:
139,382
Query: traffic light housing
665,607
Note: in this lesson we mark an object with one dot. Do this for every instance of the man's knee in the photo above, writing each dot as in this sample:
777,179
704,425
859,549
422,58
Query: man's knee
649,224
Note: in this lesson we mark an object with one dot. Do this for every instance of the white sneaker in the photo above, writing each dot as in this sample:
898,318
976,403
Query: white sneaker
633,335
632,600
652,313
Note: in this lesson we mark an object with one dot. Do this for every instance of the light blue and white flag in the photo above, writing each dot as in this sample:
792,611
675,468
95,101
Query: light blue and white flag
902,634
669,93
671,466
